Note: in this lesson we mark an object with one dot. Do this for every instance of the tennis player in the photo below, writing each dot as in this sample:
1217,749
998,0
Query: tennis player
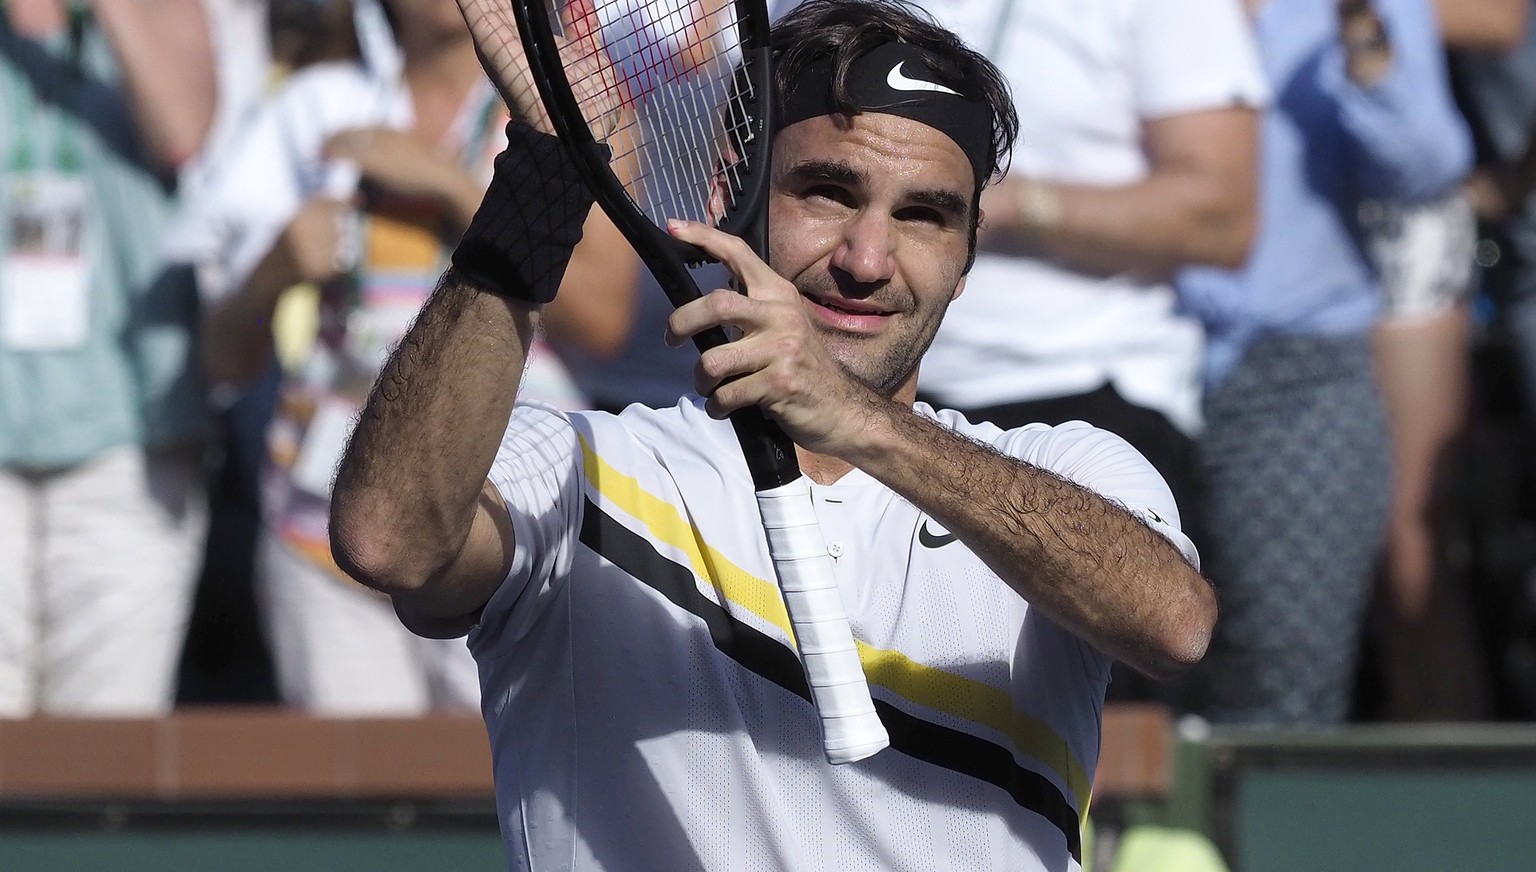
645,706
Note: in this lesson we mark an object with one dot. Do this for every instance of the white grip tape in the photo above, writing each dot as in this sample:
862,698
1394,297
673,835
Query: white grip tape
850,728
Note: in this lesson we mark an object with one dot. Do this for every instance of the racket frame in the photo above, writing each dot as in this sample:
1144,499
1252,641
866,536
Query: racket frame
851,727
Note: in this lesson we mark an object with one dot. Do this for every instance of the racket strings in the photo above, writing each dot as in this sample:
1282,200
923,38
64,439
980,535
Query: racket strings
673,65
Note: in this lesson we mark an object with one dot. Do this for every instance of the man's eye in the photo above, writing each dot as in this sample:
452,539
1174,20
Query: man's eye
922,215
827,192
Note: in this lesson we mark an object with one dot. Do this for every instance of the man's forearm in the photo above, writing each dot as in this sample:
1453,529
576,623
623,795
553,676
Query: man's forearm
1149,229
1195,205
237,329
165,50
407,489
1090,565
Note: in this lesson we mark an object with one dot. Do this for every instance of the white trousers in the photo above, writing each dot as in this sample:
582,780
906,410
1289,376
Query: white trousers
339,649
98,564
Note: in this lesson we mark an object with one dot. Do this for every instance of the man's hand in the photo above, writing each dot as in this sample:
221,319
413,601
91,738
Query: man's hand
403,163
501,56
1367,45
780,362
309,248
588,68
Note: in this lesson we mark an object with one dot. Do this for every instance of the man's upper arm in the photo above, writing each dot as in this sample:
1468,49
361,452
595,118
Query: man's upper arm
452,604
1220,145
1199,90
517,552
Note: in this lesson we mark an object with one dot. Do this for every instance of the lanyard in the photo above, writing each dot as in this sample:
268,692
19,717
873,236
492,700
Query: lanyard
38,114
1000,32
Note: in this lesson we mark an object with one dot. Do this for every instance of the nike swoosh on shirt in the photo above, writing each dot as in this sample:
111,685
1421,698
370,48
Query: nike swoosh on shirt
901,82
929,539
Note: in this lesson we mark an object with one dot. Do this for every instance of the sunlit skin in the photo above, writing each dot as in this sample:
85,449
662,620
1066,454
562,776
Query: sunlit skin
869,223
869,246
869,220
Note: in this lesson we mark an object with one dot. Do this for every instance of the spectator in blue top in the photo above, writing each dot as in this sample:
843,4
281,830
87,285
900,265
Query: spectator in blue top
1297,451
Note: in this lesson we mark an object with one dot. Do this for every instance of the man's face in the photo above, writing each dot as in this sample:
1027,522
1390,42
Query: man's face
869,219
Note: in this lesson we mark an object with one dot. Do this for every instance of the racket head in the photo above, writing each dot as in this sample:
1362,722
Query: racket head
681,91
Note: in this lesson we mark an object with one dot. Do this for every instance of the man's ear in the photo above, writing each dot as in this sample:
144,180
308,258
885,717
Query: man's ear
720,185
971,243
959,289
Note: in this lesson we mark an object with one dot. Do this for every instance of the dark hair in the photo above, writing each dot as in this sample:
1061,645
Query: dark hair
846,30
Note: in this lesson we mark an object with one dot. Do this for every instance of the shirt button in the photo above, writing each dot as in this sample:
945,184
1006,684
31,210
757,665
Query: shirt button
835,549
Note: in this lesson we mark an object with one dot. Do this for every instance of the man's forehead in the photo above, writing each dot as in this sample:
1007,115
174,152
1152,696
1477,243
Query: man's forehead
876,143
896,78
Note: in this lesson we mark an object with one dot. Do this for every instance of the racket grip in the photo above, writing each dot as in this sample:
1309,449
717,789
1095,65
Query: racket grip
850,728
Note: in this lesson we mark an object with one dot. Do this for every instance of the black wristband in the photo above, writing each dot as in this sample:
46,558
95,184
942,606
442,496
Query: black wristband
519,242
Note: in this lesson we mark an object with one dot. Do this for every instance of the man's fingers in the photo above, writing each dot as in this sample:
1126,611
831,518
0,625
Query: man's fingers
725,363
715,309
756,276
501,56
736,392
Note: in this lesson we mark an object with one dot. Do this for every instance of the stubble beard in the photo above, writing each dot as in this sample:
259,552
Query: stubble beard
886,371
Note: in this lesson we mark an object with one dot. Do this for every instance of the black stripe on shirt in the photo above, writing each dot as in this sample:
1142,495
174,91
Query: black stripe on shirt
771,659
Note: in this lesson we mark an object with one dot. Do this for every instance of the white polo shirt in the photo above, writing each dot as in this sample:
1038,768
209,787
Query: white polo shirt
1085,76
646,708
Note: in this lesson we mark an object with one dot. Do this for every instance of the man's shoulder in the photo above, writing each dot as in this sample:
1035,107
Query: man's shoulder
685,415
679,434
674,454
664,432
1049,446
980,431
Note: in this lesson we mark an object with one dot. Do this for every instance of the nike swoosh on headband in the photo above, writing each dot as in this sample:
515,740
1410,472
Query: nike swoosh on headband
901,82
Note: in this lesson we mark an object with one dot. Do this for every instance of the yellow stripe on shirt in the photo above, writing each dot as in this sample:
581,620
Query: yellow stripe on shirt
927,686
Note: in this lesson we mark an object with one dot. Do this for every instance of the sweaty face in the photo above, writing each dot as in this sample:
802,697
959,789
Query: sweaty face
869,219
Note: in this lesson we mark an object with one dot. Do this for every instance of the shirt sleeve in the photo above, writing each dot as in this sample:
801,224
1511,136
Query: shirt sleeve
1194,55
1410,142
538,472
1107,465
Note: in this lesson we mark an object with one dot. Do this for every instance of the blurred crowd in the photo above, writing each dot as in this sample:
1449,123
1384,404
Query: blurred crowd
1270,243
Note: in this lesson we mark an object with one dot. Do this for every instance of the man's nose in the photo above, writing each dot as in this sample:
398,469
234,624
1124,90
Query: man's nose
866,253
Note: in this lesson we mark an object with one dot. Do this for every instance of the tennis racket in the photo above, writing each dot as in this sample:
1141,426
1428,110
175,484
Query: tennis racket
693,82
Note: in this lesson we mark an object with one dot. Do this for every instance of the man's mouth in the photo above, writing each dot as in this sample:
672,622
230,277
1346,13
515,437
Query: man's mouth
853,316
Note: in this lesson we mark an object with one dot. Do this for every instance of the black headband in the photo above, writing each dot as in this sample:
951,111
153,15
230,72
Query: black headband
897,79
